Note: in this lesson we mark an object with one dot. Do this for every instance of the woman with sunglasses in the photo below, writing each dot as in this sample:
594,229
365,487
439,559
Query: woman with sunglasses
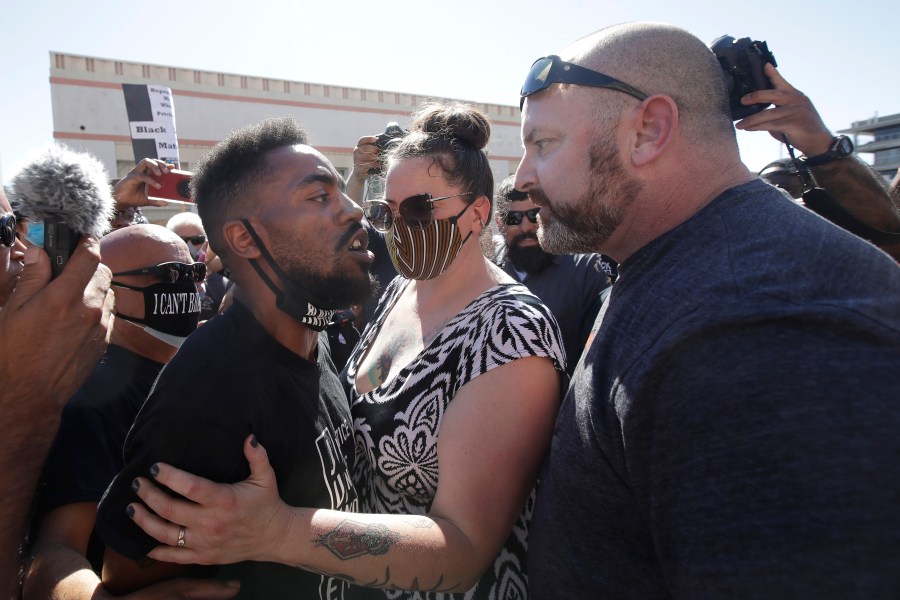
454,389
455,383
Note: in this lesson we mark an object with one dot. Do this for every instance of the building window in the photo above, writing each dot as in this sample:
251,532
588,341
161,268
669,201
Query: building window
887,157
888,133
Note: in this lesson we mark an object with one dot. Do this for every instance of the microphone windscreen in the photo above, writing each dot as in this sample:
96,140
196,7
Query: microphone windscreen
68,185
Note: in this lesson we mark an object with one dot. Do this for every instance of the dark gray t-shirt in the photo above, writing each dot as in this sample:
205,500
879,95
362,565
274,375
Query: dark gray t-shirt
734,429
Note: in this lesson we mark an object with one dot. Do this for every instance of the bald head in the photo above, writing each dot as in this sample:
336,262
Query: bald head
661,59
141,246
129,249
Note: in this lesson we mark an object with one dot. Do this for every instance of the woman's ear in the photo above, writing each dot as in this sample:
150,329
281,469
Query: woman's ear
482,209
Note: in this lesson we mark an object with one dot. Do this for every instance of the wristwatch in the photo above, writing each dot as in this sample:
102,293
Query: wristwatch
841,147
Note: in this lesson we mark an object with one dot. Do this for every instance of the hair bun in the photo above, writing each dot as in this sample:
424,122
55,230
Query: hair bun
454,121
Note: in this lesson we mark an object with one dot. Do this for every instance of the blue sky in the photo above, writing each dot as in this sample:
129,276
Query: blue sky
843,55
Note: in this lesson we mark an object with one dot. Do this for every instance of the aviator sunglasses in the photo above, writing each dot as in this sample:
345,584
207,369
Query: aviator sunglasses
552,69
514,217
171,272
8,229
417,211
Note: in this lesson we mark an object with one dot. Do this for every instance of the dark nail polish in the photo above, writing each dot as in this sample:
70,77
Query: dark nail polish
135,485
154,470
253,441
130,511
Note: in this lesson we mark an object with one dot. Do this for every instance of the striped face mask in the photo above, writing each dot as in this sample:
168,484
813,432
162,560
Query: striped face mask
424,253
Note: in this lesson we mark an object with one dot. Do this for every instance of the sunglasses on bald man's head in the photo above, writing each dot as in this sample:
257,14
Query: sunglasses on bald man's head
8,229
416,211
171,272
552,69
514,217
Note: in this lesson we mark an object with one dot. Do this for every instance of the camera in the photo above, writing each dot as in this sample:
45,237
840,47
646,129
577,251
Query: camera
392,132
60,242
742,62
175,186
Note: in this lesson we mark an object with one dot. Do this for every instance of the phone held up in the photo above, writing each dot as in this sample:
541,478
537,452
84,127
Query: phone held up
175,187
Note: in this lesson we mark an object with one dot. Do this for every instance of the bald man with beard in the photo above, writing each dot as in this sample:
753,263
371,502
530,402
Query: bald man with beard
732,430
87,452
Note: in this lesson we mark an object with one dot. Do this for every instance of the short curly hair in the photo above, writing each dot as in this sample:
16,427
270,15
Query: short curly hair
224,181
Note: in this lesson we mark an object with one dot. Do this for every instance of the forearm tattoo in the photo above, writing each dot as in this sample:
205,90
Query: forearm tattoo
351,539
386,583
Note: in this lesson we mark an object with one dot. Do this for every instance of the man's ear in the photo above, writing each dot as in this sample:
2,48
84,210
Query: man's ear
239,240
653,124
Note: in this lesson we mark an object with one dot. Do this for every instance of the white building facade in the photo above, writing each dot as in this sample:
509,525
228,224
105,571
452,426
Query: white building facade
89,113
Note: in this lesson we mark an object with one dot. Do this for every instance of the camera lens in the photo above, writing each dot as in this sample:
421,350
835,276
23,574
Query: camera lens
183,189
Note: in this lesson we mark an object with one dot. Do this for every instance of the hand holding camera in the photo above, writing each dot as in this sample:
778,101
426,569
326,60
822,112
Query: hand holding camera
373,157
367,158
793,116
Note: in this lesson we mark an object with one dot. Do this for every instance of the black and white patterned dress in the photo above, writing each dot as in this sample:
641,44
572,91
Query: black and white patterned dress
396,425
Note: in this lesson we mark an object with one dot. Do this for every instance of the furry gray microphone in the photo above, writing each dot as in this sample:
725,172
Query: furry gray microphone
69,191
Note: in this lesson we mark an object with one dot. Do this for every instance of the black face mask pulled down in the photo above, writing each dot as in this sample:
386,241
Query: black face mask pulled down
293,300
170,309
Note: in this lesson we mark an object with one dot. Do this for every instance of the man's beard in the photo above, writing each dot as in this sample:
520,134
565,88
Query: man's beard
584,224
325,290
527,259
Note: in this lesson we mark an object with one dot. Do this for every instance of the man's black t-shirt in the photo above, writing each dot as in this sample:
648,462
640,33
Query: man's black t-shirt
87,451
231,379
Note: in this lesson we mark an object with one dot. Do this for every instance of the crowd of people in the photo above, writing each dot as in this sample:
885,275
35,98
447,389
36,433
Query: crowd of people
633,369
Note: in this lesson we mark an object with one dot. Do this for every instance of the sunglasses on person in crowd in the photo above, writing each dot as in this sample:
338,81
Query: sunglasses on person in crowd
417,211
8,229
552,69
171,272
514,217
194,239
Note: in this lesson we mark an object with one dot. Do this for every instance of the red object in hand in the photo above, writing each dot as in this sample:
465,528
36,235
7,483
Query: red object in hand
174,186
